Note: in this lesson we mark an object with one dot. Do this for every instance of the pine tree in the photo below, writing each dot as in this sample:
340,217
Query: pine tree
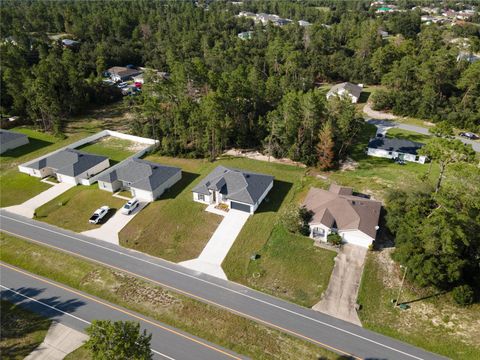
325,147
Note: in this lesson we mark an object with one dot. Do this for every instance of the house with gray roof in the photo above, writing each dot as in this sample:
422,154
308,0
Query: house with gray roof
238,189
346,89
145,180
68,165
338,210
11,140
401,149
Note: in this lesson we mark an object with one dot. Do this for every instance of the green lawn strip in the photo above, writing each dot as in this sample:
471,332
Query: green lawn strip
208,322
21,331
433,323
72,209
113,148
16,187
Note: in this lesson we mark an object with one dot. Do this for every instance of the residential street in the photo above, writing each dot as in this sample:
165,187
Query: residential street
321,329
76,310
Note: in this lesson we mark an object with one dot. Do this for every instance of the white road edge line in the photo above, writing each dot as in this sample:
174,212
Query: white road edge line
68,314
219,286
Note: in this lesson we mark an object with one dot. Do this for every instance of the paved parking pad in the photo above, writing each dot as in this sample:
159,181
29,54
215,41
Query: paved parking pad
109,231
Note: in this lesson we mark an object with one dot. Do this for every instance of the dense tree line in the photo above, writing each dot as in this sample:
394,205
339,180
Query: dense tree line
227,92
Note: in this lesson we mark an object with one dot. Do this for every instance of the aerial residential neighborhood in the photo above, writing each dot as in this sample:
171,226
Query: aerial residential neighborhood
258,179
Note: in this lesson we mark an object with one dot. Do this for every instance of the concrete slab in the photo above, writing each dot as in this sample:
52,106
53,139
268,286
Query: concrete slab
58,343
27,208
109,231
217,248
340,298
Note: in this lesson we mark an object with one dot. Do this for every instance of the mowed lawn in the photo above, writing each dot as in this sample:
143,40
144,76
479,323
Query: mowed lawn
21,331
433,321
72,209
114,148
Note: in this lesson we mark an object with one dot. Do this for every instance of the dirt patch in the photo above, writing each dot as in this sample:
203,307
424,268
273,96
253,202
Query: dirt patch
255,155
114,142
348,164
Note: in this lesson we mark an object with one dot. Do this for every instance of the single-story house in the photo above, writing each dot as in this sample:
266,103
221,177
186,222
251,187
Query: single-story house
145,180
11,140
238,189
346,89
120,73
69,166
337,210
246,35
396,149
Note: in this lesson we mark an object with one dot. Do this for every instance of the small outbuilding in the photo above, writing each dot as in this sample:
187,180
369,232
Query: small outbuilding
400,149
11,140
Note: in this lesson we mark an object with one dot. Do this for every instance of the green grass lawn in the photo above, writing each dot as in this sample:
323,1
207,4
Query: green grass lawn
199,319
433,322
21,331
16,187
82,353
72,209
114,148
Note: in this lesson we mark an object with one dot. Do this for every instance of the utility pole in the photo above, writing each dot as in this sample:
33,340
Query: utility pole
401,286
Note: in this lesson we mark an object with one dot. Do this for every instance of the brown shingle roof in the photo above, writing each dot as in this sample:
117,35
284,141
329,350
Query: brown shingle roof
338,206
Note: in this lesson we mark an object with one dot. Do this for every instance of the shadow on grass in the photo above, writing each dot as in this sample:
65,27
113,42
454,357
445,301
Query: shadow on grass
412,137
33,145
275,197
175,190
364,96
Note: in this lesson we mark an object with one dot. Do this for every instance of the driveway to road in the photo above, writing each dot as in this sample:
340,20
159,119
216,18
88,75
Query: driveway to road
27,208
341,295
320,329
109,231
77,310
217,248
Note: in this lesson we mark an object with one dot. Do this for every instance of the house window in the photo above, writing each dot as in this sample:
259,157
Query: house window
417,157
390,153
201,197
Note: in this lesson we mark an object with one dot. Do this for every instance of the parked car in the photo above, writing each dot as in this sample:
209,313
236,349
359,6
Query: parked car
98,215
122,85
469,135
131,205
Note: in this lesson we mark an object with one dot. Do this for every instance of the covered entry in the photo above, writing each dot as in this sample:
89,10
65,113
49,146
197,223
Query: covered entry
240,206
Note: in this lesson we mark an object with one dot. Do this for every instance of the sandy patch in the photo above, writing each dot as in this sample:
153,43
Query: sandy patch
255,155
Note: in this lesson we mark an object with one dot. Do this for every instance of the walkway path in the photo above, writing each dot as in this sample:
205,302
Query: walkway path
60,341
212,256
27,208
340,298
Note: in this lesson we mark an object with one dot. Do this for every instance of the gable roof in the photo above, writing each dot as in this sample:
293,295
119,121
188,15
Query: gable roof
123,71
398,145
141,174
69,162
353,89
237,185
347,212
8,136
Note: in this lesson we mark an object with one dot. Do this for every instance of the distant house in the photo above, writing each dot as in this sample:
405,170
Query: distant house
238,189
382,33
11,140
337,210
304,23
68,43
246,35
145,180
69,166
396,149
346,89
121,73
468,56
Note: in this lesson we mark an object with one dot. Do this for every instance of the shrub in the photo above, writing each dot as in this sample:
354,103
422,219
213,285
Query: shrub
334,239
463,295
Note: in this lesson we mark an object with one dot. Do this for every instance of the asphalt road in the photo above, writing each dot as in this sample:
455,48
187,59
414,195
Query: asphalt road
323,330
76,310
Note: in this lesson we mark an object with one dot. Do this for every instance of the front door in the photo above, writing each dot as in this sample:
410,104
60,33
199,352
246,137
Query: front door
214,196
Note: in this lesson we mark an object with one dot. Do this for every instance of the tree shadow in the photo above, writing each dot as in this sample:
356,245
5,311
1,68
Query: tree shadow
179,186
412,137
275,197
33,145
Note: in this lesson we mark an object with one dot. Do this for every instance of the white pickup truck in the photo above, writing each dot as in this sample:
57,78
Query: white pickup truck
98,215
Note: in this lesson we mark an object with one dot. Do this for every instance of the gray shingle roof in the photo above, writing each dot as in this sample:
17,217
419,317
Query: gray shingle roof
235,184
69,162
7,136
141,174
353,89
398,145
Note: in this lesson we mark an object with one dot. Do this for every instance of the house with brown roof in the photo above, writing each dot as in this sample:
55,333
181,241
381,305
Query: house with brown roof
337,210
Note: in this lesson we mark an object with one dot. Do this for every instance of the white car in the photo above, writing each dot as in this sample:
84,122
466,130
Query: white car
98,215
131,205
122,85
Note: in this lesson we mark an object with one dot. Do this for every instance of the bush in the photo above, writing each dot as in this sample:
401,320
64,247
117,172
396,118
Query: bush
382,100
463,295
334,239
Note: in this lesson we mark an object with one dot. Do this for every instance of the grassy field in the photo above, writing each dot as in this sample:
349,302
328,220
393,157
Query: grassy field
80,354
433,321
208,322
114,148
72,209
21,331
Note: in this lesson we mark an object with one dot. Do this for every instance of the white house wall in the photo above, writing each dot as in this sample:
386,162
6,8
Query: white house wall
67,179
206,201
356,237
394,154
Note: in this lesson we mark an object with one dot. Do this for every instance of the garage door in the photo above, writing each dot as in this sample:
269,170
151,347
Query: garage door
239,206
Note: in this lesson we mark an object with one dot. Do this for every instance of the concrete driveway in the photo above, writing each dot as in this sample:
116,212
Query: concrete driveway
109,231
340,298
27,208
217,248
